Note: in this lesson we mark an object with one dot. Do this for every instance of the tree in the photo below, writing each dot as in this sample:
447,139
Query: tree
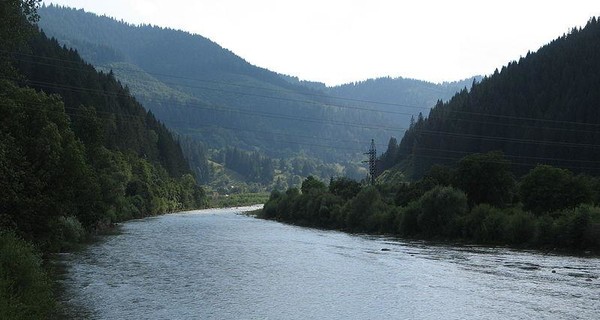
486,178
311,184
344,187
15,19
548,189
440,208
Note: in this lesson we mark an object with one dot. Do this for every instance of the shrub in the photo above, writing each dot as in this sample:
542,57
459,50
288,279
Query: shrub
25,290
440,208
407,219
365,204
493,226
473,224
578,228
520,227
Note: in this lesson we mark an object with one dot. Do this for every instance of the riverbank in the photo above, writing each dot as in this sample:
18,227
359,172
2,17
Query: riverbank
30,287
439,214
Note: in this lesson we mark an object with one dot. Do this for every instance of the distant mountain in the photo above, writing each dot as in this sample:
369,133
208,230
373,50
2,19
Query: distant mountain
543,109
401,94
212,96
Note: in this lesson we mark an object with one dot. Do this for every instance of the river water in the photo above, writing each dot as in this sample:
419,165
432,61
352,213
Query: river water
218,264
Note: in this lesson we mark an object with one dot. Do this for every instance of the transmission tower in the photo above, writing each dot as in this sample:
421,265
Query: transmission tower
372,161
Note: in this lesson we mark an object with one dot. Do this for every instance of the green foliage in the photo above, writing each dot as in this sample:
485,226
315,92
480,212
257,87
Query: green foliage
252,165
232,104
238,200
25,289
539,109
360,210
66,231
344,187
485,178
408,192
407,221
578,228
311,184
15,28
520,227
547,189
440,208
484,224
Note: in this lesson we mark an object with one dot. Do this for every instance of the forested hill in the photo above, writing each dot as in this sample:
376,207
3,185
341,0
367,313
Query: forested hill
208,91
77,151
213,97
543,109
401,92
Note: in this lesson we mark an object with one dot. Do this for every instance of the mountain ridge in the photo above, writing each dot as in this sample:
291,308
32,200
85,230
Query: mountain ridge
235,104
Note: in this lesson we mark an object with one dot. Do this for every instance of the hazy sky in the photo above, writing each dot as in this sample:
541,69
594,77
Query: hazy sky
338,41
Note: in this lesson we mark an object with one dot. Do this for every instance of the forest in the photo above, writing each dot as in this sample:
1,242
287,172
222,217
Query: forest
512,161
216,101
77,154
542,109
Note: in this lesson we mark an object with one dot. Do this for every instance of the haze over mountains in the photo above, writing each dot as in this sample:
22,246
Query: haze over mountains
219,104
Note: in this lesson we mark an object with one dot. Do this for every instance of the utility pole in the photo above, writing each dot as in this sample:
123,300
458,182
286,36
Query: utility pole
372,161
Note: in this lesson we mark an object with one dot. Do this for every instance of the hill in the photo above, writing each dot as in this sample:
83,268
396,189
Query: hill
208,94
542,109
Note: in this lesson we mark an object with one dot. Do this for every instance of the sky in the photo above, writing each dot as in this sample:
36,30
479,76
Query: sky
341,41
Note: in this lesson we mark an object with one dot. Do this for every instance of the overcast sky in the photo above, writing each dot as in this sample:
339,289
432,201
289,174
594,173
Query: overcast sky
340,41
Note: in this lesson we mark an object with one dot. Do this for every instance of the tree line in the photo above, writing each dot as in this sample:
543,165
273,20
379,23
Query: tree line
478,200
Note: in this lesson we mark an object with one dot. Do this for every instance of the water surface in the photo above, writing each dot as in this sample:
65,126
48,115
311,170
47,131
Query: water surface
218,264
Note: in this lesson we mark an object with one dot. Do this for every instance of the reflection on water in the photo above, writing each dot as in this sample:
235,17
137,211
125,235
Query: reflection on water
216,264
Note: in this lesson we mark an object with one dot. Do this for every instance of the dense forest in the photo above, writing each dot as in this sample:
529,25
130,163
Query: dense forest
77,154
542,109
209,95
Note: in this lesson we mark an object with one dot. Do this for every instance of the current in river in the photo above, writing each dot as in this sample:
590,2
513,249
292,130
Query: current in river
220,264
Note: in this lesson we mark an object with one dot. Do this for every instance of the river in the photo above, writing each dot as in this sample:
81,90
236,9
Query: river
219,264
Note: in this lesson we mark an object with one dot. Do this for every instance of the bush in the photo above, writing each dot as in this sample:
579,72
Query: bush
358,210
546,233
407,220
440,208
25,290
578,228
493,227
520,227
473,224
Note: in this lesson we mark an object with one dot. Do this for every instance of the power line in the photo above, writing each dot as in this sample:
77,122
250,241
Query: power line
141,117
340,123
369,109
491,137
